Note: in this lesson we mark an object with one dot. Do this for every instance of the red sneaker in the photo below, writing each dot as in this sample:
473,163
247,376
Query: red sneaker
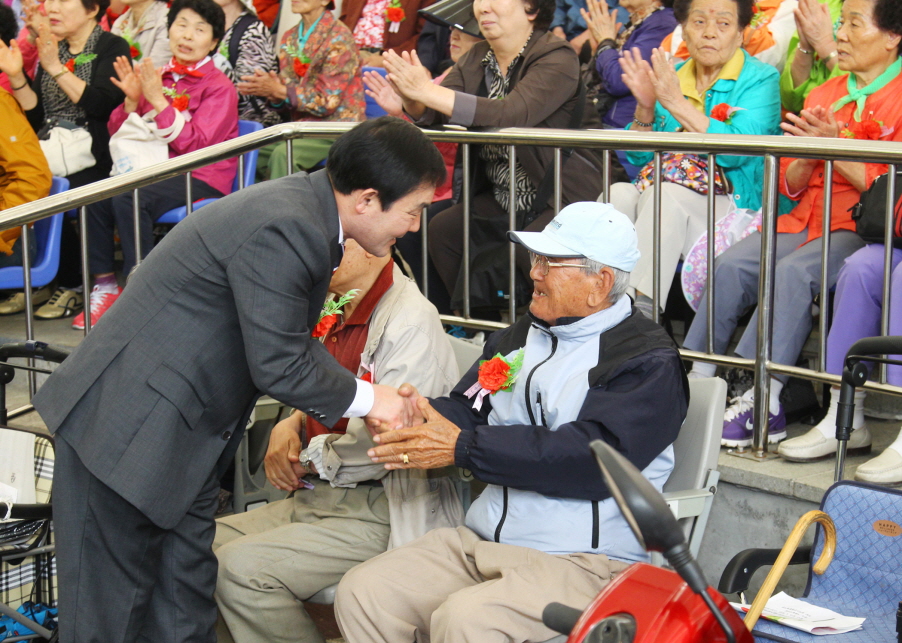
100,303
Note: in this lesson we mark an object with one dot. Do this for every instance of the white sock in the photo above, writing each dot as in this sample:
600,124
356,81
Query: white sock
827,426
702,369
106,287
897,444
776,386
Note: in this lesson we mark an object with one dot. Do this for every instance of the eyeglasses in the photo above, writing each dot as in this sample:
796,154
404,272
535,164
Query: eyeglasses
545,265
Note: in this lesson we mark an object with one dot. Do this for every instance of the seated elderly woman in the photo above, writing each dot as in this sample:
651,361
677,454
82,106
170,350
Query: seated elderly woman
861,104
319,80
521,76
585,365
189,93
719,90
650,21
812,58
856,315
72,83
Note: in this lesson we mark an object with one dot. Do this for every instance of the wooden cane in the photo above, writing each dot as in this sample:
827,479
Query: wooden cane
782,562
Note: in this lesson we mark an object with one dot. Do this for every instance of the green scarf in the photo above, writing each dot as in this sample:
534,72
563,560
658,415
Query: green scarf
859,96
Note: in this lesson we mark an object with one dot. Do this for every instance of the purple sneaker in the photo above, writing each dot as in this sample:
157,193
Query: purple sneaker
739,422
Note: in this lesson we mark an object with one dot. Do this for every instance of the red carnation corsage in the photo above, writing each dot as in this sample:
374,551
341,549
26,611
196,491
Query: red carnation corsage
869,130
330,312
496,374
394,15
724,113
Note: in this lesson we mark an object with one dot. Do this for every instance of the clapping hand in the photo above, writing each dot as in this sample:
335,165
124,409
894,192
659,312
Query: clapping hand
151,84
407,75
817,121
602,24
10,59
48,49
380,90
665,81
264,84
639,77
815,26
127,80
34,15
428,446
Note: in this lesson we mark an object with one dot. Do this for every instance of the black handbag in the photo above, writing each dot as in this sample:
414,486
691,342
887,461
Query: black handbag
869,213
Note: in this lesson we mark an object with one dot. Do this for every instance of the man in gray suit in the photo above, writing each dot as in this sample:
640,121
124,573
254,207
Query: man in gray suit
150,408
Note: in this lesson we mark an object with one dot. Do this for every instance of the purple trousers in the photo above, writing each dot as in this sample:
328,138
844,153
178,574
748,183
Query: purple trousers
857,305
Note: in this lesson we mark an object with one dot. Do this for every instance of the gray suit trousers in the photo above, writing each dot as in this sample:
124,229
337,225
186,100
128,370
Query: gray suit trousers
141,583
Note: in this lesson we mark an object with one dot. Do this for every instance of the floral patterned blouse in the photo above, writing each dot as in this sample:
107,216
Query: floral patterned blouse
331,88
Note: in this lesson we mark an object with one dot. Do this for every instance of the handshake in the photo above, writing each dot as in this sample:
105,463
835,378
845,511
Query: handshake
408,432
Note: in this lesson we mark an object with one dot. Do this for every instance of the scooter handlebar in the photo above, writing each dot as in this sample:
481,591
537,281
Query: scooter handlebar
560,618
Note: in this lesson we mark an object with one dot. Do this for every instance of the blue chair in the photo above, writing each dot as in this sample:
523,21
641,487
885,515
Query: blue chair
48,232
250,168
372,107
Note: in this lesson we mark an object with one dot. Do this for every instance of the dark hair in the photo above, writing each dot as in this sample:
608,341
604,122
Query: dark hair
888,17
667,3
9,28
207,9
745,9
386,154
543,10
100,5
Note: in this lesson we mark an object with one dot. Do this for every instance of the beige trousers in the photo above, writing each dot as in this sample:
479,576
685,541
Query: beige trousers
450,586
684,217
273,557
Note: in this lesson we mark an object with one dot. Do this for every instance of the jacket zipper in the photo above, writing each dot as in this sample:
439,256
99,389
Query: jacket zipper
532,420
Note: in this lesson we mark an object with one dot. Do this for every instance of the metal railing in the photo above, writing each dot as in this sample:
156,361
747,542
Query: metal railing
771,148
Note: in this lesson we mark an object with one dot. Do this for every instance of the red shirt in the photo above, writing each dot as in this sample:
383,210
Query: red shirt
883,106
345,342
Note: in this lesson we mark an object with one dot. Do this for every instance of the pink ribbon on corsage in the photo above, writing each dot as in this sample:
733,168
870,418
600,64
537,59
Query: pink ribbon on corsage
482,392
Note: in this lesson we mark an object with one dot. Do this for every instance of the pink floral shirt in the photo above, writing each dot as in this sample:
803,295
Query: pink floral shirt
369,32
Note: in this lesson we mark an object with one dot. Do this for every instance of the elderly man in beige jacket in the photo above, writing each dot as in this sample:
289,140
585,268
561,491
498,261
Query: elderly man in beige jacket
345,509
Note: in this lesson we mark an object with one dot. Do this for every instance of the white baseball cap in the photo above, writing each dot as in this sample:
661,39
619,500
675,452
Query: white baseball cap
588,229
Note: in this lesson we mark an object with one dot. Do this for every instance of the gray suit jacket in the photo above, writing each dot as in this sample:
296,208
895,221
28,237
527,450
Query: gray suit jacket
219,312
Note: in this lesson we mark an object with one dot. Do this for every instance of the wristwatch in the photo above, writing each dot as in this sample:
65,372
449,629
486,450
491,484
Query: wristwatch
306,462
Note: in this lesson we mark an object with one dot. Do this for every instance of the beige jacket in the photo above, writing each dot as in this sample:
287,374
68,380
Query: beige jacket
406,343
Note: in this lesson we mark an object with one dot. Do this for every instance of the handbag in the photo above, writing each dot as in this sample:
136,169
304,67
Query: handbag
67,146
869,214
688,170
140,143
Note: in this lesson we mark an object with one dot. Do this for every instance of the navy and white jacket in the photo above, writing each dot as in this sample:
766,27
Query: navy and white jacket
615,376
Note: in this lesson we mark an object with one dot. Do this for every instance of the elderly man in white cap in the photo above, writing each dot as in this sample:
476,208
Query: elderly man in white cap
582,365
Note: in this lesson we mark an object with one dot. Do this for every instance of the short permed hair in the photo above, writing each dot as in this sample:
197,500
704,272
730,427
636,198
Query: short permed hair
100,5
888,17
207,9
745,10
9,28
386,154
543,11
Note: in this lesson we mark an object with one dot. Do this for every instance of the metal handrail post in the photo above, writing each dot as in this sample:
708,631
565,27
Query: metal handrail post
424,248
136,222
465,156
85,271
512,225
241,171
289,155
656,241
29,320
712,222
189,197
606,176
765,303
887,257
557,180
825,266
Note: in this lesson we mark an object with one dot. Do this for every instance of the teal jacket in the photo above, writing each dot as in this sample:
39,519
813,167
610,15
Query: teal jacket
757,93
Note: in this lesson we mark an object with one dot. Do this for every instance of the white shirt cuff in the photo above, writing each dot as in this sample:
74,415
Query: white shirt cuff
363,401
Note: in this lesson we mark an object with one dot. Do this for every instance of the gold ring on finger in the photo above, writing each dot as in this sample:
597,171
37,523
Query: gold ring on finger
405,459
